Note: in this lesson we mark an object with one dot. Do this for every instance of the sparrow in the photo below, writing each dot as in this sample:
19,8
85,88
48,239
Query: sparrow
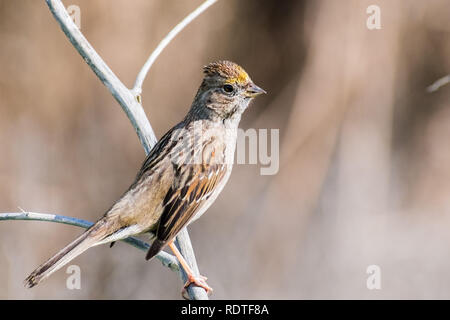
179,179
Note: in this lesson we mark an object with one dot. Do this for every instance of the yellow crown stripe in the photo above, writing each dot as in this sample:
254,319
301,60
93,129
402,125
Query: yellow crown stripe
242,78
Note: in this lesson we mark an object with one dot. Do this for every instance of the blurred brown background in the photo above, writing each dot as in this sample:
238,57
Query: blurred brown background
364,150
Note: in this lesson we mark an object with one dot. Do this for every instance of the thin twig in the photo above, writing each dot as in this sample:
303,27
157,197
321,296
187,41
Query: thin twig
137,89
121,93
166,259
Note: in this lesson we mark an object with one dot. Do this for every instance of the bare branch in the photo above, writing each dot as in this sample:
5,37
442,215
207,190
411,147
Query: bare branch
166,259
121,93
137,89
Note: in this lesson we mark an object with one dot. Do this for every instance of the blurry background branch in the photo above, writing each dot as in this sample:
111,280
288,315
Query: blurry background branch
439,83
130,102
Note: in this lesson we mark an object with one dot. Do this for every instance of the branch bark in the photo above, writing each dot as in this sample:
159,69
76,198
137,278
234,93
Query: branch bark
130,101
166,259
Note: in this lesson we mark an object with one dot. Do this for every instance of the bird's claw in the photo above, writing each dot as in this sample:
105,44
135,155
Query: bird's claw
199,281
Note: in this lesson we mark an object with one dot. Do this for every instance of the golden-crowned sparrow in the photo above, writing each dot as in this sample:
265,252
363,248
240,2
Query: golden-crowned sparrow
181,176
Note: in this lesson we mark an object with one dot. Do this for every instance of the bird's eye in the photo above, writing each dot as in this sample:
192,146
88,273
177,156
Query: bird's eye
228,88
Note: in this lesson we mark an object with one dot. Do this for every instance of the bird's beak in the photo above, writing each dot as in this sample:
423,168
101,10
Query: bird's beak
253,90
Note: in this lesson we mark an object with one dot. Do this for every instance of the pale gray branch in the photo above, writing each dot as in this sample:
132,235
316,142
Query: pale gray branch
121,93
166,259
137,89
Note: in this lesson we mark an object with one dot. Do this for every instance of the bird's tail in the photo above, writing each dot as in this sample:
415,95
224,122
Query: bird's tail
88,239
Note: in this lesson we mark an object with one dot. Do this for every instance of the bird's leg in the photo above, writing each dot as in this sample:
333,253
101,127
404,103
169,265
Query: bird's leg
192,278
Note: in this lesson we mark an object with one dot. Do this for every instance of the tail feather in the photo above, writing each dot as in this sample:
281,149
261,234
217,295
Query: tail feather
64,256
155,248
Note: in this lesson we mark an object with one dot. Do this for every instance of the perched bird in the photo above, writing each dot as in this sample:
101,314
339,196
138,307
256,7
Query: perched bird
181,176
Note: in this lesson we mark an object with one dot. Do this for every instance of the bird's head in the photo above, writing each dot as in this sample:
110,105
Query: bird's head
226,89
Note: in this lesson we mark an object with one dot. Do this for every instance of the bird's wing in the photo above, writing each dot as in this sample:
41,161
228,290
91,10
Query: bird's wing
193,185
183,201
